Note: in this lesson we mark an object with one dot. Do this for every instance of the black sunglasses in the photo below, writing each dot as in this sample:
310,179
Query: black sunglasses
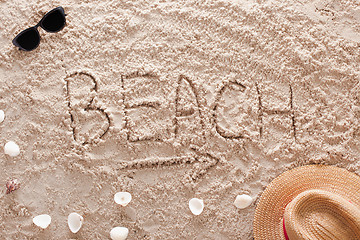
29,39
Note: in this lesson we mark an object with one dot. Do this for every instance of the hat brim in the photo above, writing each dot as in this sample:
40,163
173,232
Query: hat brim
283,189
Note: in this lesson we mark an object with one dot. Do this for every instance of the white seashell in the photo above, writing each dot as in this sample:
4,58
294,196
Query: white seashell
2,116
11,149
196,206
119,233
75,222
243,201
42,221
122,198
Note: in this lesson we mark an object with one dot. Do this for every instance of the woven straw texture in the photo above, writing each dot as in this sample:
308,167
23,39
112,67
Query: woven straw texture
318,214
283,189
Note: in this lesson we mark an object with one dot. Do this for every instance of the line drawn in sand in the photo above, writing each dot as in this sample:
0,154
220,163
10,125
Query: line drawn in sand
89,122
225,133
145,105
188,118
287,110
139,93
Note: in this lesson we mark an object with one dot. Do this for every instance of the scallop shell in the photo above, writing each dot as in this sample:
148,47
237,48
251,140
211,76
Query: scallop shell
119,233
11,149
122,198
42,221
75,222
196,206
243,201
2,116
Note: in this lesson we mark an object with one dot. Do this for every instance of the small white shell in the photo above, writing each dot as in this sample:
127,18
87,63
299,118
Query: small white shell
243,201
119,233
42,221
11,149
75,222
196,206
122,198
2,116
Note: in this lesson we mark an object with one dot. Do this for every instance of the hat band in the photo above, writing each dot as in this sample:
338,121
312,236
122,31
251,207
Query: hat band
285,233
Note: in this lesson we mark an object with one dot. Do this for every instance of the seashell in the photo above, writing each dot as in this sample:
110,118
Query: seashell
122,198
75,222
11,149
119,233
243,201
2,116
42,221
12,185
196,206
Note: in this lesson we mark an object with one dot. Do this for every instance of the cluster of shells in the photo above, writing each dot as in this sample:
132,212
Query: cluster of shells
75,220
197,205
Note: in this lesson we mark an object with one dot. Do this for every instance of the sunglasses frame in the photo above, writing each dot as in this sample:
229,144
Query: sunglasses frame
40,24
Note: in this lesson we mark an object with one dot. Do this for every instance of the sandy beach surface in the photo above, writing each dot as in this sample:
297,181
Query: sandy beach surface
171,100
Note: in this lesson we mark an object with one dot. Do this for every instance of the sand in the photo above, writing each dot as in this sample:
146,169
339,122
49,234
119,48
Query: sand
171,100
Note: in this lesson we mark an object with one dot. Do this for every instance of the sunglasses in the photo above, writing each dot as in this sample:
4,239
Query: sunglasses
29,39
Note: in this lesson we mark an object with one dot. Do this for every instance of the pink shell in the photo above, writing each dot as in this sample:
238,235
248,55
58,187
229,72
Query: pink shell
12,185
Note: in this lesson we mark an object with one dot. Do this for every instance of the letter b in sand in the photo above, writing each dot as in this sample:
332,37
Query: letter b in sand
88,120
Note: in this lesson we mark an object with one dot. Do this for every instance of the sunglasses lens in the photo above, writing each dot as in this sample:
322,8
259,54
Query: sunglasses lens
54,21
28,40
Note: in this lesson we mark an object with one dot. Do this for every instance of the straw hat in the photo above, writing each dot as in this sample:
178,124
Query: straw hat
310,202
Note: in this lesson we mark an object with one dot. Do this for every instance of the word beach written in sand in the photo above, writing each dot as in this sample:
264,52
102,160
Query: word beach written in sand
145,107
